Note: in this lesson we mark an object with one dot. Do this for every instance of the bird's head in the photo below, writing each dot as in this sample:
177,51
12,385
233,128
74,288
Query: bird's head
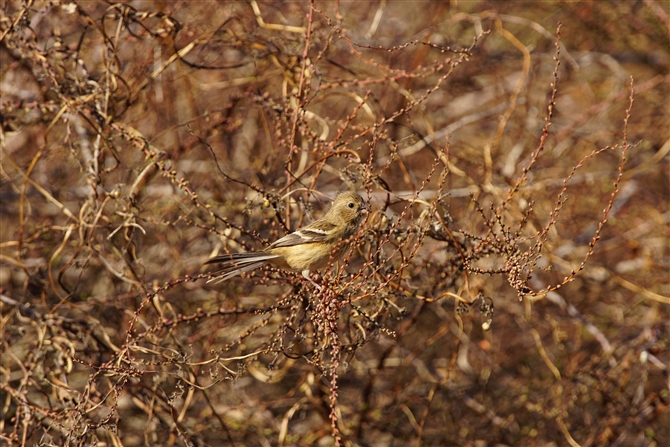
349,207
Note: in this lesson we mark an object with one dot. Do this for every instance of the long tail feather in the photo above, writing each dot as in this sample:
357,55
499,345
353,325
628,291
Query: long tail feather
235,264
240,258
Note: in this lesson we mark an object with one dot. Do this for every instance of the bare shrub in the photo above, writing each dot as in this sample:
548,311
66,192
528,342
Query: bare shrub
509,286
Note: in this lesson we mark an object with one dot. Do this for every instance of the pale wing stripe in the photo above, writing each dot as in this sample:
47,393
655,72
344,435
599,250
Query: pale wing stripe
312,234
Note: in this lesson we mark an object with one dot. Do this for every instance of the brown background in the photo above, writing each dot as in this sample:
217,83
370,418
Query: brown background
140,138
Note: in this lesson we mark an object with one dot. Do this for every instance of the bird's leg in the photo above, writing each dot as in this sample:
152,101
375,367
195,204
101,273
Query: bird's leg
307,276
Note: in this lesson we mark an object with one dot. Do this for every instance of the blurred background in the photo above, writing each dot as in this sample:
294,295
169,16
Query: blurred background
510,285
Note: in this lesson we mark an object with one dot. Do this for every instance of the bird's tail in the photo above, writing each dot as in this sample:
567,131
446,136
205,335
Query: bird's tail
235,264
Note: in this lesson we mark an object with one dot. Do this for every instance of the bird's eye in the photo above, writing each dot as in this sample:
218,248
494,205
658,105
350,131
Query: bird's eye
351,205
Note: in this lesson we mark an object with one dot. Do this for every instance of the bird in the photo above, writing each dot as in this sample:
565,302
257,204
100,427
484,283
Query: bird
310,248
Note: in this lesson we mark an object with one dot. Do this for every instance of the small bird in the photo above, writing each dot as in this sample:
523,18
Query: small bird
309,248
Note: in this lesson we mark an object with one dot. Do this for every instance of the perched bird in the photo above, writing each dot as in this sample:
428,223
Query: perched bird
309,248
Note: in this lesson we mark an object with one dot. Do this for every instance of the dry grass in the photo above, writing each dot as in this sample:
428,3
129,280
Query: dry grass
517,170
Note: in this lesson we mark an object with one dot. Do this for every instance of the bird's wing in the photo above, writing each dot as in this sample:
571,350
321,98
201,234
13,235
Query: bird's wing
307,235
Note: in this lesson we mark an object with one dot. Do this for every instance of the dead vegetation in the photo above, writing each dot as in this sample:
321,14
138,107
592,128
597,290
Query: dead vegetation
509,287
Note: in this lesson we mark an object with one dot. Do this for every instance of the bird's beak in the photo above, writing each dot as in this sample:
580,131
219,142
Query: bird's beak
363,209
